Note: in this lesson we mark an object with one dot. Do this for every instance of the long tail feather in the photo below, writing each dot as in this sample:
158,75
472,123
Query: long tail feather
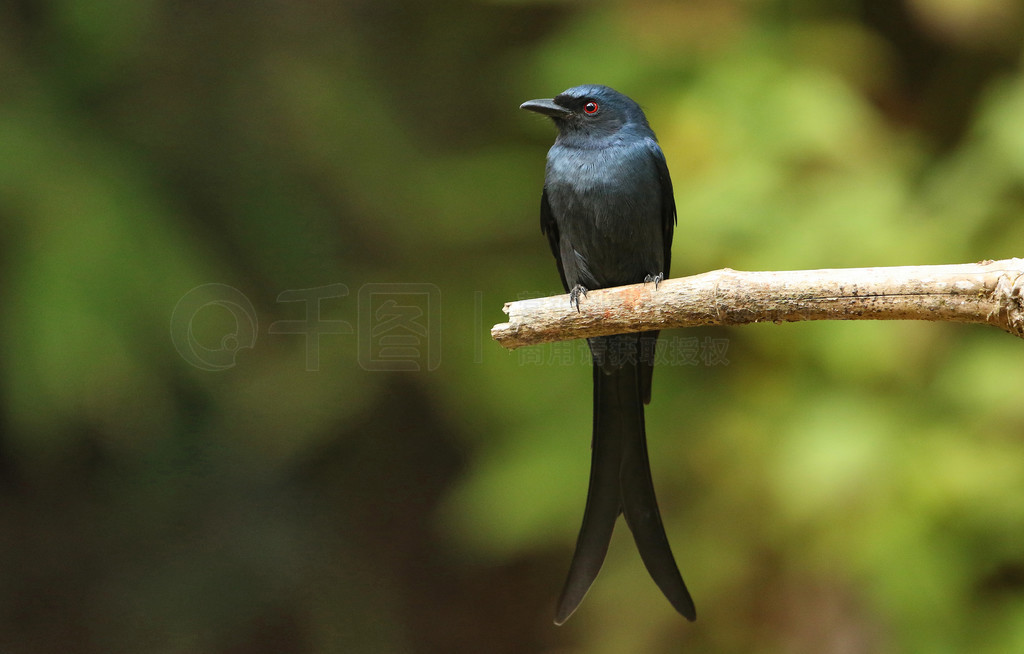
620,482
603,503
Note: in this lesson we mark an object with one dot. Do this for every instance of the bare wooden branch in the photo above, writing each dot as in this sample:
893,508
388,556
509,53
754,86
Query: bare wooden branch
988,292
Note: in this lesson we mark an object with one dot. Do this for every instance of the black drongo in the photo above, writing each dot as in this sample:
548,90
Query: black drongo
608,212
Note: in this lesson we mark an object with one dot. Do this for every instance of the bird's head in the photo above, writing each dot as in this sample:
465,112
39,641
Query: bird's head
589,111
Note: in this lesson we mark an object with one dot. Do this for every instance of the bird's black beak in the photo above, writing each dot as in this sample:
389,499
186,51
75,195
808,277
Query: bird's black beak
547,106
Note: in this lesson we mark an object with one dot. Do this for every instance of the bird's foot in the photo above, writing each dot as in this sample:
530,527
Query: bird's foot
574,296
657,279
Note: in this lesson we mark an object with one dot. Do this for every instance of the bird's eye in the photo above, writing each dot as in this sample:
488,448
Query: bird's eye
590,108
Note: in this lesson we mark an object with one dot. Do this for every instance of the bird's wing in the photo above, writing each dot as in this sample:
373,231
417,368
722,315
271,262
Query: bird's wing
668,223
549,227
668,201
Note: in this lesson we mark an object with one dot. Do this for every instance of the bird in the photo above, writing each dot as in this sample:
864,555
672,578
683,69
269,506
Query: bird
609,212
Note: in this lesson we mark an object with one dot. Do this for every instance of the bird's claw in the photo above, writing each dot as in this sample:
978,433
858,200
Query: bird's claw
574,296
657,279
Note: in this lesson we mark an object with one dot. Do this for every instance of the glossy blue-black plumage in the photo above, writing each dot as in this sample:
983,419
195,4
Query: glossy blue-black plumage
608,212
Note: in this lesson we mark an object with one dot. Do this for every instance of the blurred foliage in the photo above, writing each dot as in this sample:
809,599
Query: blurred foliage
831,488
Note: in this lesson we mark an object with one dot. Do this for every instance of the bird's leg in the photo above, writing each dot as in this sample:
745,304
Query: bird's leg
657,279
574,296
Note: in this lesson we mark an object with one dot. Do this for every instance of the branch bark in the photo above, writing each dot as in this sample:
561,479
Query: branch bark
988,292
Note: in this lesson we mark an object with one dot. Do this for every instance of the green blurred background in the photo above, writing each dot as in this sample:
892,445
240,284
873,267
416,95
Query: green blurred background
252,486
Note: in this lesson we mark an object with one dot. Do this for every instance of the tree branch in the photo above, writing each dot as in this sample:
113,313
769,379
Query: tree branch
987,292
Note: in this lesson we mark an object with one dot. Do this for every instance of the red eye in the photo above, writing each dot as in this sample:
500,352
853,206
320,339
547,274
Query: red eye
590,107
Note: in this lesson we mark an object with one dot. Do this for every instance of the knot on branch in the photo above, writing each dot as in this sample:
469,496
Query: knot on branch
1009,301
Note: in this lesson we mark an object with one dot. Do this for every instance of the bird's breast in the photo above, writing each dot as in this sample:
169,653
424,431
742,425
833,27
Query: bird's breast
612,188
606,203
